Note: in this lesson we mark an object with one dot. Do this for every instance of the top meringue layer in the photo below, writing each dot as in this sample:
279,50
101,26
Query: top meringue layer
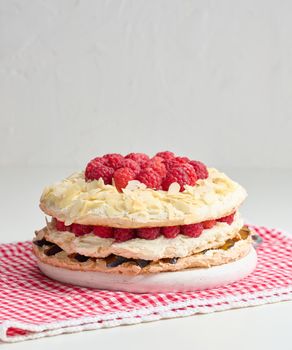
94,203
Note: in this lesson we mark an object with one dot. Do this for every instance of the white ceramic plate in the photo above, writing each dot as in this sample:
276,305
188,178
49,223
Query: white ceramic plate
179,281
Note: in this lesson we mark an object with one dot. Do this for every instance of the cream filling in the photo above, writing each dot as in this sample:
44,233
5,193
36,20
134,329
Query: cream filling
181,246
75,200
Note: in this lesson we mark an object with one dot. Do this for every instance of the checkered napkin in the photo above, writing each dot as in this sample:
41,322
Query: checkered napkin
33,306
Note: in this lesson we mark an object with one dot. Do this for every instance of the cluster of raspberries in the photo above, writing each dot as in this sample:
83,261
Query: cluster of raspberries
158,172
124,234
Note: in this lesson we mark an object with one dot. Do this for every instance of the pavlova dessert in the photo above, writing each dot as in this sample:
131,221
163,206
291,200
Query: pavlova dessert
141,215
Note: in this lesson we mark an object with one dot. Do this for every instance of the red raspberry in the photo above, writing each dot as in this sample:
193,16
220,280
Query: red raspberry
123,234
175,162
140,158
178,175
156,163
103,231
92,164
122,176
228,219
209,224
129,163
157,159
191,173
182,160
165,155
200,169
193,230
95,171
80,230
60,226
113,160
148,232
150,178
170,163
170,231
97,160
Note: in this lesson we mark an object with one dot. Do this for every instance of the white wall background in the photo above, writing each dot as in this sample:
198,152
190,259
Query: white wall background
208,79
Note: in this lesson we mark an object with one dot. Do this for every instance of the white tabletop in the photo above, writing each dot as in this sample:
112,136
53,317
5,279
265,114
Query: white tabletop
267,327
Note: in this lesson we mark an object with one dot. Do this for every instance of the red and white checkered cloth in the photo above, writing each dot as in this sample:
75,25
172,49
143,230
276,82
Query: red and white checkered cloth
33,306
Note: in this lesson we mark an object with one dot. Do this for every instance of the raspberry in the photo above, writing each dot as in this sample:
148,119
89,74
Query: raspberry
193,230
170,231
113,160
165,155
175,162
200,169
156,163
103,231
150,178
228,219
95,171
80,230
140,158
60,226
209,224
181,160
170,163
97,160
123,234
178,175
122,176
130,163
157,159
191,173
148,232
92,164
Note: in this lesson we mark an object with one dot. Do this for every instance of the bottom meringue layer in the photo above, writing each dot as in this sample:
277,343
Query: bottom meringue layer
232,249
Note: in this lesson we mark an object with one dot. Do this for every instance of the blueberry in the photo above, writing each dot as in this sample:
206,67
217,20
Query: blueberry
173,260
142,263
42,242
257,240
118,260
53,250
81,258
